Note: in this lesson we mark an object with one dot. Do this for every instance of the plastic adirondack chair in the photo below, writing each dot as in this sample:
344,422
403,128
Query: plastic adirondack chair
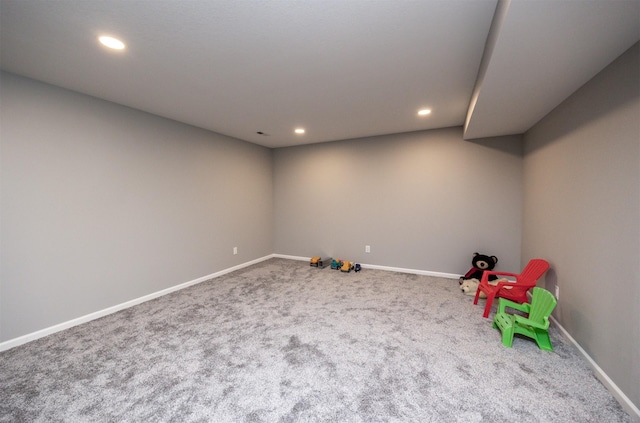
535,326
515,291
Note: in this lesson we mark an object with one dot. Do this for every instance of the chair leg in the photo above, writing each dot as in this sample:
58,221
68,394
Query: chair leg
504,322
507,337
487,306
543,340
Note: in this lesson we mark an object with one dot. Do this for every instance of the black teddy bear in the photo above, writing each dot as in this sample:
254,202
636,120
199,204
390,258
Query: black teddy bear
480,263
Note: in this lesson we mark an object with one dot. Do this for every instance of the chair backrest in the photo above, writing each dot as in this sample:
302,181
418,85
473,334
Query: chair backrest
535,268
526,280
542,304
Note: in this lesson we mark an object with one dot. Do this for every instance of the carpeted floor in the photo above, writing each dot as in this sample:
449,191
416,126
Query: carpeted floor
283,342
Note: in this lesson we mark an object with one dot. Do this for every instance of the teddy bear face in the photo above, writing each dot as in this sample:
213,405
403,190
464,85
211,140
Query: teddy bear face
480,261
469,286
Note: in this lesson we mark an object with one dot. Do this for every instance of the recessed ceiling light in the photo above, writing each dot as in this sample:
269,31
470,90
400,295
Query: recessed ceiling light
111,42
424,112
299,131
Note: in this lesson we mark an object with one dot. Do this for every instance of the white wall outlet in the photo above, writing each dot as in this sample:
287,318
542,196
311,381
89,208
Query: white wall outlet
367,248
235,250
557,292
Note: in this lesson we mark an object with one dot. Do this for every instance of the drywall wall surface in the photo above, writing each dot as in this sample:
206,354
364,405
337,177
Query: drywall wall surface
422,200
102,204
582,213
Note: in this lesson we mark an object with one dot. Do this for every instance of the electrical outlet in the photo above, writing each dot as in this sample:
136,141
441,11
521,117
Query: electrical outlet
235,250
367,248
557,292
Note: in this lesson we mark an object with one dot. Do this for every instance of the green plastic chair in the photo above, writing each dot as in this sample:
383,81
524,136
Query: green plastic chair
535,326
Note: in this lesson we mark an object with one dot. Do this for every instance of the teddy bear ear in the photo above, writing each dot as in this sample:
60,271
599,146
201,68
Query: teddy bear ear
476,254
495,259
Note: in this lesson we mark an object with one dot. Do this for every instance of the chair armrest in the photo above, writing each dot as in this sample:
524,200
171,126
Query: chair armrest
504,303
497,286
486,274
526,321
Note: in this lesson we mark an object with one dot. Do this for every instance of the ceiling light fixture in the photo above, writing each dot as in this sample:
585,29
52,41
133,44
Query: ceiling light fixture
111,42
424,112
299,131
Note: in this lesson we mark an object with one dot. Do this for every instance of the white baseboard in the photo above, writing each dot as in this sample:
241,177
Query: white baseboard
284,256
11,343
624,401
412,271
110,310
386,268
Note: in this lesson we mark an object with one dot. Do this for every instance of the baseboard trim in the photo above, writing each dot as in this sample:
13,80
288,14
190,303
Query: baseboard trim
284,256
412,271
386,268
12,343
624,401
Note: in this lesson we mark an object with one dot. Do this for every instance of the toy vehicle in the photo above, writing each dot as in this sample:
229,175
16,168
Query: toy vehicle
320,263
358,267
346,266
336,264
324,262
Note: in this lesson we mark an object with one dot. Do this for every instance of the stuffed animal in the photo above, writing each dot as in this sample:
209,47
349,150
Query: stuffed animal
470,286
480,263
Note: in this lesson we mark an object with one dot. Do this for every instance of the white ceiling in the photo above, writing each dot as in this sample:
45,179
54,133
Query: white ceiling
339,68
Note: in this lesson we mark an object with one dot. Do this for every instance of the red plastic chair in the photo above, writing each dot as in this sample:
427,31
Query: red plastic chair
514,291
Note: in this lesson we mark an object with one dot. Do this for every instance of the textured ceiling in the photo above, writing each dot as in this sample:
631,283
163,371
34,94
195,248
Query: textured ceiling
340,69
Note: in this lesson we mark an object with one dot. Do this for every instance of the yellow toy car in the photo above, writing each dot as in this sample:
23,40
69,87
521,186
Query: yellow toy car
314,261
347,266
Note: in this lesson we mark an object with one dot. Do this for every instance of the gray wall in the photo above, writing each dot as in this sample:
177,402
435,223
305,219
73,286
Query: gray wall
422,200
582,211
101,204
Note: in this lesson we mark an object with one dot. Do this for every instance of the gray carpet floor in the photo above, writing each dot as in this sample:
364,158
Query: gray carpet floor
283,342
